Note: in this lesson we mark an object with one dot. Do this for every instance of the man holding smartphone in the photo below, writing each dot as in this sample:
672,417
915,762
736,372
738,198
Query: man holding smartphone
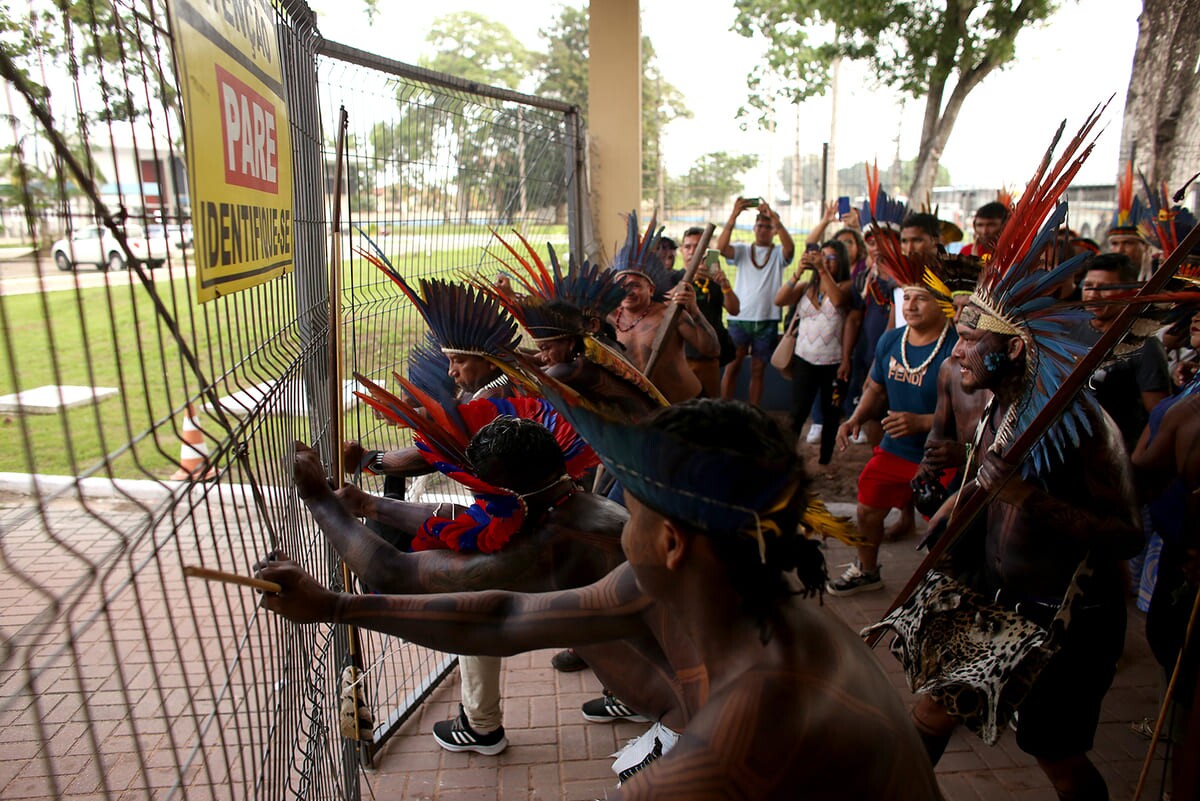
760,267
714,295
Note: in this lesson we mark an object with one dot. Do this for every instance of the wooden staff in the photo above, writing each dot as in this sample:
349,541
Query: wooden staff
1168,696
973,499
350,729
671,318
231,578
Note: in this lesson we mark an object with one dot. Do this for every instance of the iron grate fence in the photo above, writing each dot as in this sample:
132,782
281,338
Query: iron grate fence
143,431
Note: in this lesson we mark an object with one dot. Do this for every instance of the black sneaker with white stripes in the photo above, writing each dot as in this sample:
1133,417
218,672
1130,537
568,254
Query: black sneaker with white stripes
610,708
456,734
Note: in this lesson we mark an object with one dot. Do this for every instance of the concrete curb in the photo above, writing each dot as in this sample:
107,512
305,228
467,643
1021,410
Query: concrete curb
138,490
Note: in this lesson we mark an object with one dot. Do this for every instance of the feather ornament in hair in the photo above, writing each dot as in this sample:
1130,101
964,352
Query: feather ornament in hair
461,318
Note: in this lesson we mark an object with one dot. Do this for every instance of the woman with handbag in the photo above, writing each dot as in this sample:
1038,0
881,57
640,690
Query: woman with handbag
820,365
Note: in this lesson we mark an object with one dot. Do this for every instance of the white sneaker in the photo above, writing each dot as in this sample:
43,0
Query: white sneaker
860,438
814,434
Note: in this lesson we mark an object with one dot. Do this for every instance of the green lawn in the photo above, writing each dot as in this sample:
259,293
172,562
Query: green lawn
161,360
116,337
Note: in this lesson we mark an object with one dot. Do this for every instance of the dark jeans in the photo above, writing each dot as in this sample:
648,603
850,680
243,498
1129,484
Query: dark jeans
810,381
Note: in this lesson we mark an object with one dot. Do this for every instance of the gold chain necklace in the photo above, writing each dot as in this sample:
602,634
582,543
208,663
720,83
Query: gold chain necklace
754,261
937,347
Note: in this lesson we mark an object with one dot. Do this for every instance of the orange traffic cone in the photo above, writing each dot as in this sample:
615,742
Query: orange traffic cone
193,452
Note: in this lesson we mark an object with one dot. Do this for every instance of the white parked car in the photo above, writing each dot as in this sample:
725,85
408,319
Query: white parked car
95,244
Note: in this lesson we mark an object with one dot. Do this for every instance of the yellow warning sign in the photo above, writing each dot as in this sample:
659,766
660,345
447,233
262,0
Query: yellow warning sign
239,152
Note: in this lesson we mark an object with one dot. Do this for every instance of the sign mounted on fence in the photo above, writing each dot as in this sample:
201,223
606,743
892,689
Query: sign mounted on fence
239,151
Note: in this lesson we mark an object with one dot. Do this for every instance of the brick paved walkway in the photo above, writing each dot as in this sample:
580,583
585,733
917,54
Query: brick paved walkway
554,753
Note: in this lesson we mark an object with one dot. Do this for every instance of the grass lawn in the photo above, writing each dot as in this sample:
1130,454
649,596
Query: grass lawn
115,336
160,358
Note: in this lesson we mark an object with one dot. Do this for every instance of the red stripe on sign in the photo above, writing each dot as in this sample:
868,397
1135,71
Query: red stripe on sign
248,134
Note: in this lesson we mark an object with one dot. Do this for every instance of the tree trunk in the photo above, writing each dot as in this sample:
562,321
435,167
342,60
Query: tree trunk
1161,129
925,170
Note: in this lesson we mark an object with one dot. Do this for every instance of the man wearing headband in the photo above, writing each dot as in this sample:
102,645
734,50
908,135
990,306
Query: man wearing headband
901,390
1060,522
786,694
639,270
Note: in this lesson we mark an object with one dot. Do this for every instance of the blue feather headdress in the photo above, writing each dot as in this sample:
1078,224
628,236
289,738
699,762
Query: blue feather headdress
1167,224
462,319
879,210
1015,297
556,304
639,256
1130,213
429,369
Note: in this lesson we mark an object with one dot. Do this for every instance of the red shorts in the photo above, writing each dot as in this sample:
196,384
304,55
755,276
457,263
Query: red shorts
885,481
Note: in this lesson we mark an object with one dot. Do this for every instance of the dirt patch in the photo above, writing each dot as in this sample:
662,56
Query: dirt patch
838,480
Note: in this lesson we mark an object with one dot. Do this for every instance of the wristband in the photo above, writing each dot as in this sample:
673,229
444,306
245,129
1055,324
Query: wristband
372,462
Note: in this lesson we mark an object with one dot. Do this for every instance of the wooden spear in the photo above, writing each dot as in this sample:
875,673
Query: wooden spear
973,499
671,319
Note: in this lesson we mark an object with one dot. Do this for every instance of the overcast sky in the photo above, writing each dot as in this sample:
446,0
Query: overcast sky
1081,57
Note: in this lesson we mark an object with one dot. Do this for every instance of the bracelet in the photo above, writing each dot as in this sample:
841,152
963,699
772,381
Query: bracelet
372,462
725,290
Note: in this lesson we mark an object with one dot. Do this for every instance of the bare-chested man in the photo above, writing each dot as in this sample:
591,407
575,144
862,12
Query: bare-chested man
789,695
641,313
569,538
1070,502
958,412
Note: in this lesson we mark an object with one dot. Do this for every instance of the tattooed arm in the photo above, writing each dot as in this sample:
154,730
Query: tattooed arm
380,564
490,623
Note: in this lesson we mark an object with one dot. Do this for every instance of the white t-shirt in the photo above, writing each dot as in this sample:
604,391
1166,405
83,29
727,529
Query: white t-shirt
756,286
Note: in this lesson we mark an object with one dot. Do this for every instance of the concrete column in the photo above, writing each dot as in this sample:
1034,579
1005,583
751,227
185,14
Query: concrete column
614,118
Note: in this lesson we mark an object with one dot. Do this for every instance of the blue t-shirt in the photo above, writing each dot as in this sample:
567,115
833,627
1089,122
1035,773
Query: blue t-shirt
916,392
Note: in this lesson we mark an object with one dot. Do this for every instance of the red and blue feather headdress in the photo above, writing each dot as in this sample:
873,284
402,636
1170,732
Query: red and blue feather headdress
442,429
461,318
556,304
639,256
1016,297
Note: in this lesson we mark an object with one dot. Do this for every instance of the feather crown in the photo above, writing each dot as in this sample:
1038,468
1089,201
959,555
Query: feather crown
878,209
1167,224
1130,213
461,318
556,304
1016,297
639,256
442,431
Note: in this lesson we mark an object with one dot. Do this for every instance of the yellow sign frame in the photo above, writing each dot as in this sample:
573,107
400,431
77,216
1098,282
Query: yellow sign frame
238,142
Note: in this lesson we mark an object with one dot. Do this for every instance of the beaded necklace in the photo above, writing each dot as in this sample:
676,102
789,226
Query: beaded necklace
630,327
754,261
937,347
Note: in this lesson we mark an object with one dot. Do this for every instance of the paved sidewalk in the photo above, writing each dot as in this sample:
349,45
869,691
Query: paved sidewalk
555,754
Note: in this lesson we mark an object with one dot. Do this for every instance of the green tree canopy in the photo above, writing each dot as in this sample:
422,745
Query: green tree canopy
477,48
936,50
712,180
564,70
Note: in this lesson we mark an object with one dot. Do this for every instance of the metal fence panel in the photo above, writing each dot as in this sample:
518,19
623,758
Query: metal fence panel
119,678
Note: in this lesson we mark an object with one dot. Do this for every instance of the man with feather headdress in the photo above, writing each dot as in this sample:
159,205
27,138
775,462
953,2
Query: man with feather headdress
1066,518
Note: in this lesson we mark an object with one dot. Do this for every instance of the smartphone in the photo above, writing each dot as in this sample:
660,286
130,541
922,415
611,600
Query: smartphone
712,258
843,205
754,201
811,247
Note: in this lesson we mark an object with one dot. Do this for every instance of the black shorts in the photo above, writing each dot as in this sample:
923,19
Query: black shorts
1059,716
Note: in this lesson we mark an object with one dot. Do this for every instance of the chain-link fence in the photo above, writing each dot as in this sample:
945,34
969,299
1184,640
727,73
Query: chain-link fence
144,432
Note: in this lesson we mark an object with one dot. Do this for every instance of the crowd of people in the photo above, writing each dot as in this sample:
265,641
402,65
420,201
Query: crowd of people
619,503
